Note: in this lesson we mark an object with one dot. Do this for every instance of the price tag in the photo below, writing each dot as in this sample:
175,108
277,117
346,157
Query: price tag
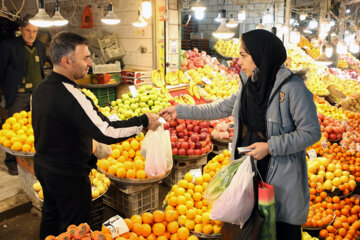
116,225
196,173
346,125
133,91
358,147
114,117
324,144
206,80
312,154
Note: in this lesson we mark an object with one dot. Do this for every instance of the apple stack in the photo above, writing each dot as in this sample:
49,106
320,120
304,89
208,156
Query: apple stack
190,142
332,128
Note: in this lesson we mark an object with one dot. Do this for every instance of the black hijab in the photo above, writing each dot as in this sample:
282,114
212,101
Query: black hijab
268,54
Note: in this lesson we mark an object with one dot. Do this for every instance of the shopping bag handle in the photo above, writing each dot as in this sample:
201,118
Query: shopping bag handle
255,182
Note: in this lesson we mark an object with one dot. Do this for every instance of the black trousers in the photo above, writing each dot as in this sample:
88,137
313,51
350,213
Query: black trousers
286,231
67,200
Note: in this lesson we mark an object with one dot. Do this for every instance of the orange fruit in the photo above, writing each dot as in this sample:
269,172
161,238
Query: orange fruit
189,224
174,237
198,227
183,233
171,215
172,227
134,144
137,228
136,219
159,216
147,218
140,174
130,173
16,146
192,237
190,214
183,183
197,196
162,237
121,172
208,228
158,229
138,164
188,177
181,209
180,200
126,146
146,229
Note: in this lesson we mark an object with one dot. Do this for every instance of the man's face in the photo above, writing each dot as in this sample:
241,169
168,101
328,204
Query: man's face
29,33
81,62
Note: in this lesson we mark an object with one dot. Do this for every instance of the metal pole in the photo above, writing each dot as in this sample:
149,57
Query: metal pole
287,20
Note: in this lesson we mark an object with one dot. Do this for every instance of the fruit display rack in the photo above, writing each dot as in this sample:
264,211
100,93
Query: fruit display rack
17,153
127,181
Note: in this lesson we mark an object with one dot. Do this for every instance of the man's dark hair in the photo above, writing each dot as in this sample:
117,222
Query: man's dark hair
63,43
23,22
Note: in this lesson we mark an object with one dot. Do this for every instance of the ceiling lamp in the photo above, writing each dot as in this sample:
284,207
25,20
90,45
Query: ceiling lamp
140,22
302,16
242,14
348,10
218,18
110,18
146,10
199,10
354,47
231,23
41,19
341,47
260,26
294,37
267,18
223,32
57,19
313,24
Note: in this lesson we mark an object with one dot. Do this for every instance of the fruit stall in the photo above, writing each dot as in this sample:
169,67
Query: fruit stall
200,150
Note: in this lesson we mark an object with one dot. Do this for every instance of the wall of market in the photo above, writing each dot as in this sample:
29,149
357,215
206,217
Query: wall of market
254,12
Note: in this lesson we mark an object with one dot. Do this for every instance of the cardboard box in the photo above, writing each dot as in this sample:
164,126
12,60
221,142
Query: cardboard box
105,78
135,77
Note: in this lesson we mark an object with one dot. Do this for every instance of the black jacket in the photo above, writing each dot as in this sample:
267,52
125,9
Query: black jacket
65,121
12,65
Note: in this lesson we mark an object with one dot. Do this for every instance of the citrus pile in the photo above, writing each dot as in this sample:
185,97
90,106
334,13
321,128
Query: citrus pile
17,133
158,225
82,231
100,183
125,161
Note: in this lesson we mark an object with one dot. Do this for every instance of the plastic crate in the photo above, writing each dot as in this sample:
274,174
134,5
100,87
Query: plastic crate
112,54
106,68
97,214
146,199
109,41
104,95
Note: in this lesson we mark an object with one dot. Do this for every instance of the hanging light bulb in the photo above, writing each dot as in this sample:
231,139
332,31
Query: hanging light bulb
146,10
302,16
41,19
140,22
57,19
242,14
231,23
295,37
218,18
313,24
199,10
354,47
341,47
110,18
260,26
223,32
267,18
348,11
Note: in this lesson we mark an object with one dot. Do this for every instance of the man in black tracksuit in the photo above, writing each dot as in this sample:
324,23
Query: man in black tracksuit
65,121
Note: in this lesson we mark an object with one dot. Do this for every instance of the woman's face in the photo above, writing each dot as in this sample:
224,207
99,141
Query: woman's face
246,62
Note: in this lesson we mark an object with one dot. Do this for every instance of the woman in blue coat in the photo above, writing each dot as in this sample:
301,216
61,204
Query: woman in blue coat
274,114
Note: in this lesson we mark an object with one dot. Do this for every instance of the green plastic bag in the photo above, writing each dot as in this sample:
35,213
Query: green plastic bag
267,207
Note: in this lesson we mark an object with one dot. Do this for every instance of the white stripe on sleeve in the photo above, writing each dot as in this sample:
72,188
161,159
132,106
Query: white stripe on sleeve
103,126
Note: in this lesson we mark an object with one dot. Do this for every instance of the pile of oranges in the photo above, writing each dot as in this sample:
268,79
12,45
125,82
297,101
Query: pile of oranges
17,133
158,225
125,161
217,163
82,232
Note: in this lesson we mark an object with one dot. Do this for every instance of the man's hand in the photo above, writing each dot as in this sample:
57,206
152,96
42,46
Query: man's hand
153,121
168,113
261,150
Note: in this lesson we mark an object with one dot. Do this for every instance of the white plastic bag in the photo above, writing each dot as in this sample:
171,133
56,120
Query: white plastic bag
237,201
101,150
156,148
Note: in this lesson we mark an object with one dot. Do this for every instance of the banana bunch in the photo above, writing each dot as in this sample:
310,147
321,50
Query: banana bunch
194,90
182,77
179,100
157,77
166,93
171,78
188,99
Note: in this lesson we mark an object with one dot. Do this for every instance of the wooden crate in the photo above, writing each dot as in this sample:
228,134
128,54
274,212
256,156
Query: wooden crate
27,163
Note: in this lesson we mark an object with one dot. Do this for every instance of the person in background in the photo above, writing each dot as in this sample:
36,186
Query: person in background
21,69
334,57
65,121
275,116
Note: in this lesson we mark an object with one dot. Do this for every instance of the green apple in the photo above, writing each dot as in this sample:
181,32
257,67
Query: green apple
128,114
150,103
122,117
145,110
134,106
137,99
116,107
127,102
113,103
143,104
124,96
119,101
138,111
157,103
132,100
127,107
142,89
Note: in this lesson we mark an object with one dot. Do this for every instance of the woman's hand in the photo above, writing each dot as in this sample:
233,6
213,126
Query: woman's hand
261,150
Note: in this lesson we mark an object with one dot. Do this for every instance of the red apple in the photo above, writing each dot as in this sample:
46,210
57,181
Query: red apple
173,145
332,136
185,145
173,138
191,145
186,138
204,124
182,152
190,127
186,132
191,133
203,143
179,128
190,152
197,152
207,148
180,134
173,123
203,150
329,129
203,136
181,140
196,129
178,145
198,145
194,137
196,123
175,151
166,126
188,122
